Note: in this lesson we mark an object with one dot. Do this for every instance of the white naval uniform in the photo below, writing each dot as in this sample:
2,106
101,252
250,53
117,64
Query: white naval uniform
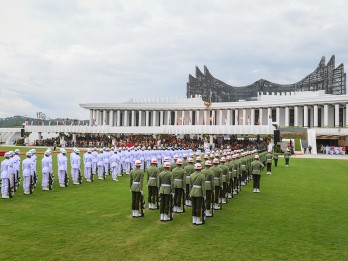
62,168
94,161
45,171
88,162
100,164
5,177
76,162
27,172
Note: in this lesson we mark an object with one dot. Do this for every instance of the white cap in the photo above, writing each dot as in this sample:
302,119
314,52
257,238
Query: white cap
17,151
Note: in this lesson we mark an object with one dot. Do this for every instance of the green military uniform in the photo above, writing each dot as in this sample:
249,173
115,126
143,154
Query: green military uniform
269,158
151,174
136,187
230,166
178,179
164,181
287,156
217,172
275,158
243,170
197,193
224,179
184,162
238,184
188,170
256,168
209,188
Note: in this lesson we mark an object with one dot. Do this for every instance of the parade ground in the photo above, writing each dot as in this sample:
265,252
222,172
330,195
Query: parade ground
300,214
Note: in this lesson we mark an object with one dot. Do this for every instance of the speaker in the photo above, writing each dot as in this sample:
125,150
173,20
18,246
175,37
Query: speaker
276,136
22,133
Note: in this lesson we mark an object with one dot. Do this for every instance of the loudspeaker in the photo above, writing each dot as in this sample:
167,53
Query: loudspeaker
22,133
276,136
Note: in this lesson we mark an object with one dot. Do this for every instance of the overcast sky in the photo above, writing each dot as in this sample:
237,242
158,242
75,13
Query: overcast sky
57,54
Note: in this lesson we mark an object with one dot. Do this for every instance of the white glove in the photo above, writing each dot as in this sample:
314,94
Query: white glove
172,194
204,198
142,193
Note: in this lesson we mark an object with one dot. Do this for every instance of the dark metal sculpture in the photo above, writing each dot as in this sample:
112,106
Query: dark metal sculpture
325,77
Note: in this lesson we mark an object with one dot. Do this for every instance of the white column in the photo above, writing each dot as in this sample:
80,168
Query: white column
161,118
326,115
213,118
220,117
236,117
175,117
104,117
140,118
269,115
90,117
305,116
97,115
244,116
315,120
197,117
296,116
252,116
347,115
133,118
147,118
168,118
125,118
118,118
287,116
260,116
182,117
111,118
154,118
337,115
278,115
228,121
206,120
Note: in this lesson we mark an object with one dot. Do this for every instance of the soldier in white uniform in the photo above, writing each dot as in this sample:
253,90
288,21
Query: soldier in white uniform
72,155
17,164
76,162
33,166
11,170
27,172
88,163
106,161
62,168
100,164
114,163
45,170
5,175
94,160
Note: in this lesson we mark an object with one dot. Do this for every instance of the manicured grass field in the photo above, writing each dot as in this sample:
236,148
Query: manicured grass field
300,214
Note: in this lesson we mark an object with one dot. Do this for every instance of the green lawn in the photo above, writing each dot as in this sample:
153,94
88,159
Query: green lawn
300,214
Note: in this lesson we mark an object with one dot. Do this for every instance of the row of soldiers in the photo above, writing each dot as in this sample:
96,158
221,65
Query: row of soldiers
204,184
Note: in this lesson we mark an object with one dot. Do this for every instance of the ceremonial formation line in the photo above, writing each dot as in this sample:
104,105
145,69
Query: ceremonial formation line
176,178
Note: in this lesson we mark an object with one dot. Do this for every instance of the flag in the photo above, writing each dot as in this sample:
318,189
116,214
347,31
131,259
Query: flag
169,121
190,121
183,121
57,122
95,122
43,123
248,120
203,121
63,122
177,121
269,120
49,123
26,123
225,120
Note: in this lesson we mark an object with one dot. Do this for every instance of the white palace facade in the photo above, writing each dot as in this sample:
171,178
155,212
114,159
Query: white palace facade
321,114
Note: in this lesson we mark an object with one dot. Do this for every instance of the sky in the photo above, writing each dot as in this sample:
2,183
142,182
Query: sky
55,55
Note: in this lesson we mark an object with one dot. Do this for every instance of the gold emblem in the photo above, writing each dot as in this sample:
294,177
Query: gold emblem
207,104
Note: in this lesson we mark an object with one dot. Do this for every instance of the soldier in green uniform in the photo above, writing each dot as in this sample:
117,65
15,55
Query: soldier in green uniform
243,169
275,158
152,173
161,168
178,180
199,160
197,194
229,164
256,168
237,165
209,186
173,165
217,182
224,179
184,160
287,156
164,181
188,170
206,157
136,187
269,158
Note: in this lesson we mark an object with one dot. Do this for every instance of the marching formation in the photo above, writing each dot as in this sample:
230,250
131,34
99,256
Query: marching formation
175,178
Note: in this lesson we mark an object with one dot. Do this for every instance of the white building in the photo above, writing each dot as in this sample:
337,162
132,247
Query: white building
322,115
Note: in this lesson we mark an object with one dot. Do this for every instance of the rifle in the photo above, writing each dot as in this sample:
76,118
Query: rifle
31,185
142,204
183,200
35,179
220,197
157,198
203,211
66,179
15,182
10,189
18,178
92,176
171,207
80,177
212,202
104,174
50,181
